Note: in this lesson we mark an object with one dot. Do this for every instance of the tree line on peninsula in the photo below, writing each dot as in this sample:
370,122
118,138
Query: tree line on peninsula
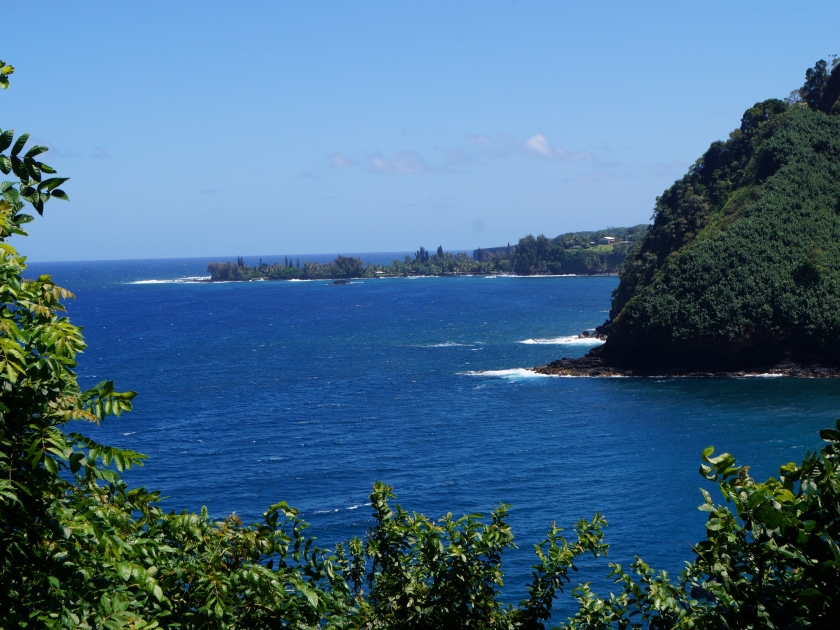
81,549
578,253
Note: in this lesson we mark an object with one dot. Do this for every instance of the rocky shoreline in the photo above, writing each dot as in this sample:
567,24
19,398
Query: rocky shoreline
594,366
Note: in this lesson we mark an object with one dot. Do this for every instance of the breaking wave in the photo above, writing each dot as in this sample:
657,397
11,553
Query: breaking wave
175,281
572,340
513,373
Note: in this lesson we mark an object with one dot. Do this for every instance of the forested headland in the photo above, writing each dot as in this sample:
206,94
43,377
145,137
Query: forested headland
741,267
579,253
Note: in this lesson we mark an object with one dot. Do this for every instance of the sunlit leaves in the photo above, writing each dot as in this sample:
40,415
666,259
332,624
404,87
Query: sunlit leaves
30,188
5,71
103,401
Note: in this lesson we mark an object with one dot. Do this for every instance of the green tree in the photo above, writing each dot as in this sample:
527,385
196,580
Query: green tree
761,112
772,560
78,548
349,267
816,79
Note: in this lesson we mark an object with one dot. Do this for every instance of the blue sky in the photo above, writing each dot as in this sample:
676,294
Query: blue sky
208,128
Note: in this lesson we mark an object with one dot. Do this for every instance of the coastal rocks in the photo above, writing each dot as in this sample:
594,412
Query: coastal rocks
592,365
584,366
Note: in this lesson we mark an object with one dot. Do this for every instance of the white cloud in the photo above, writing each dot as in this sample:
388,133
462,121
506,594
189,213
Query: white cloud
340,161
540,145
475,149
504,145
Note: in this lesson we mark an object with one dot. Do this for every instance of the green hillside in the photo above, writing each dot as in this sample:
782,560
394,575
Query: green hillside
741,266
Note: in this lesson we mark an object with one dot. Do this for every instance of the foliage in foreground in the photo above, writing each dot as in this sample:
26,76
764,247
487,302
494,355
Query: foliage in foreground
80,549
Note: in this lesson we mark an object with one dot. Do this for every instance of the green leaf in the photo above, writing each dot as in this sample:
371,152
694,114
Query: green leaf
784,496
32,168
36,151
21,141
51,465
768,516
124,570
51,183
19,169
810,594
75,462
7,491
830,435
6,139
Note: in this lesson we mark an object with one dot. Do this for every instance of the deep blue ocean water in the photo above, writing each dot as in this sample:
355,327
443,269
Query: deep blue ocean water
252,393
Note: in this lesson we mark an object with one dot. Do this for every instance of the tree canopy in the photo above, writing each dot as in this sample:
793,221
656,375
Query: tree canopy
570,253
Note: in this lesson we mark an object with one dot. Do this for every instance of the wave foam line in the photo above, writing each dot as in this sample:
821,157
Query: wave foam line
513,373
335,510
538,275
572,340
176,280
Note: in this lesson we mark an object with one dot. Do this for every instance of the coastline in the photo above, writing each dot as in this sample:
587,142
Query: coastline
395,276
595,367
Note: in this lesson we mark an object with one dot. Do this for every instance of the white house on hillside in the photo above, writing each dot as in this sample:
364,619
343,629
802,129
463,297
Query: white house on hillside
606,240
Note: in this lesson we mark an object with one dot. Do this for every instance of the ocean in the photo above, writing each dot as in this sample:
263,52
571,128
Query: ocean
253,393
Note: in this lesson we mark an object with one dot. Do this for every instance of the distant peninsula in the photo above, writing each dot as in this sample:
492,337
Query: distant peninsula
740,271
574,253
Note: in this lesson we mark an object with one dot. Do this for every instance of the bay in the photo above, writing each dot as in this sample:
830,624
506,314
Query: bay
252,393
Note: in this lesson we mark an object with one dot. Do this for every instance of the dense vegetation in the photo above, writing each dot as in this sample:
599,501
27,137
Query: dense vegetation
80,549
742,263
572,253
